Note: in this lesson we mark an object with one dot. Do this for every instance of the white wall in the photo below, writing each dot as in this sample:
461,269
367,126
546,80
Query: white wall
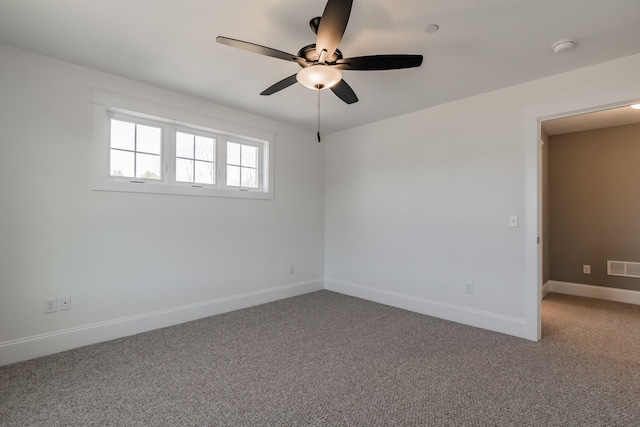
133,262
419,204
413,207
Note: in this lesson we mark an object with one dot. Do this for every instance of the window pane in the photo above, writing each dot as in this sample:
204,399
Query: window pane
248,178
204,148
121,163
233,176
123,135
147,166
233,153
204,172
148,139
184,145
249,156
184,170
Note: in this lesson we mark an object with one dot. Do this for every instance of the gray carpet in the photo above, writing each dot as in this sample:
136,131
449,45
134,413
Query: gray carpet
326,359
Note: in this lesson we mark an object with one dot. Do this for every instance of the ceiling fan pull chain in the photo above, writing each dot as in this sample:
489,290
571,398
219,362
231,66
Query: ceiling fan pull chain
318,115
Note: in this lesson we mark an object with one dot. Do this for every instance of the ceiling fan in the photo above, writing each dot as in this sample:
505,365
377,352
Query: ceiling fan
321,62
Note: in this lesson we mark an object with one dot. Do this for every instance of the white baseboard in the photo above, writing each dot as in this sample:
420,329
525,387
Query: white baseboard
455,313
545,289
54,342
598,292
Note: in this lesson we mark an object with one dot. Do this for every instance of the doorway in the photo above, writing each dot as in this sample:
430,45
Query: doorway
534,117
591,161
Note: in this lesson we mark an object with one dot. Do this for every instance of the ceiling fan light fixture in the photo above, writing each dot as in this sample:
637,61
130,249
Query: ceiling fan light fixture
319,76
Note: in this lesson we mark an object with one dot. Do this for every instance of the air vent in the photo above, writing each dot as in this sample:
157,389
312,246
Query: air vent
633,269
623,268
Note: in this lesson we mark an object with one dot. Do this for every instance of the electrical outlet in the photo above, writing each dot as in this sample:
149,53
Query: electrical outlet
50,305
64,302
468,287
292,268
586,269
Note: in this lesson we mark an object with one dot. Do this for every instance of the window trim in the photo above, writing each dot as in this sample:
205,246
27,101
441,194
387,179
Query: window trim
108,104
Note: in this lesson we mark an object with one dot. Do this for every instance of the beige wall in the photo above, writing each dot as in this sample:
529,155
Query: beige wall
594,204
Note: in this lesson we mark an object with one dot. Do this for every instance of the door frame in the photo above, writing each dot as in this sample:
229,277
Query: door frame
534,115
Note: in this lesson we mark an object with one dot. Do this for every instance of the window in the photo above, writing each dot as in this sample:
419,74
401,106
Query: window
141,151
135,150
195,158
242,165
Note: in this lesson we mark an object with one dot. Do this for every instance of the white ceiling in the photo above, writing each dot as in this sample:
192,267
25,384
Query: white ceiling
589,121
481,46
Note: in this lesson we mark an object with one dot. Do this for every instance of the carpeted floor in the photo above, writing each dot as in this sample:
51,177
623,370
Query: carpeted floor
326,359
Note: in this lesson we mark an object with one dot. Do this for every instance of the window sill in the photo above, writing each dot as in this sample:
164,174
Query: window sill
186,190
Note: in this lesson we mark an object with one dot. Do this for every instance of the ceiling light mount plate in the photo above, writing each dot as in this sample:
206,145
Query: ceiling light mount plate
563,45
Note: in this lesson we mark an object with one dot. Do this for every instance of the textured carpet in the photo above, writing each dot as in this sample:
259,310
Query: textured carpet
326,359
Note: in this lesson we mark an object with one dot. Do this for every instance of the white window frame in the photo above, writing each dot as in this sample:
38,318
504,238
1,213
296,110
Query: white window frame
260,160
137,121
172,164
108,104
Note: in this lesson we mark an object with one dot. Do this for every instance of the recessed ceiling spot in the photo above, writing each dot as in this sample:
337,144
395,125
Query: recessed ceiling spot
636,106
432,28
563,45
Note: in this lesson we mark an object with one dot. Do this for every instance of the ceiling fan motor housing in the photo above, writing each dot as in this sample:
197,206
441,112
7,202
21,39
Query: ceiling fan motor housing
310,54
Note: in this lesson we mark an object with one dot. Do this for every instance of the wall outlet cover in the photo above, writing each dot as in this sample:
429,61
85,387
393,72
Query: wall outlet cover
50,305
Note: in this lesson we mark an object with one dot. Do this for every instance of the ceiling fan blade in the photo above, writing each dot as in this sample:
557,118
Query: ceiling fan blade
379,62
332,25
256,48
282,84
344,92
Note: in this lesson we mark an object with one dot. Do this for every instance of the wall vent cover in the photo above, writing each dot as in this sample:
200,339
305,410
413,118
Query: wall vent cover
623,268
